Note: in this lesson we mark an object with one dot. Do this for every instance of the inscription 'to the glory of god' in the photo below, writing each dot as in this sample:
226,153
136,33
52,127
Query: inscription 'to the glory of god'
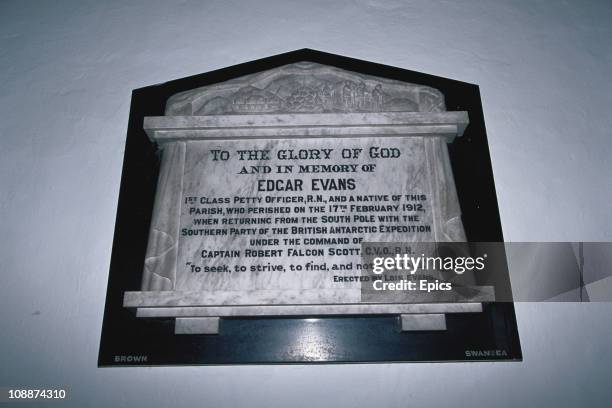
328,184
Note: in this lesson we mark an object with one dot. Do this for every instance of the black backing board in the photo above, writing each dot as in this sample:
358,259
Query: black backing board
127,340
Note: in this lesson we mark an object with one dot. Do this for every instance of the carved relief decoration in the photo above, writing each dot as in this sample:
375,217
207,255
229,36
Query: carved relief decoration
306,88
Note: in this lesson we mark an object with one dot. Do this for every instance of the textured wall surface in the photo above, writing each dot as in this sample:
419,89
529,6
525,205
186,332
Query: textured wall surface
66,72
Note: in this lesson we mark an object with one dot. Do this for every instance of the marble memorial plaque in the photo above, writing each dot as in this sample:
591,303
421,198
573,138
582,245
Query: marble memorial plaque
268,186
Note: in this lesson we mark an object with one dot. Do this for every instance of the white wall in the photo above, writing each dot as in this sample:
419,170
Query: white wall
66,72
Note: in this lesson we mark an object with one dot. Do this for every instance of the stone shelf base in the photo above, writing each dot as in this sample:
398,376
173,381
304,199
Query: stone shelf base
205,319
408,322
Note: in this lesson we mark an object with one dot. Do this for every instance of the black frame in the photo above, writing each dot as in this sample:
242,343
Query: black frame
346,339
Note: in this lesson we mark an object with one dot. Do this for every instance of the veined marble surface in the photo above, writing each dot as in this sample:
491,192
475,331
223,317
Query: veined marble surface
408,174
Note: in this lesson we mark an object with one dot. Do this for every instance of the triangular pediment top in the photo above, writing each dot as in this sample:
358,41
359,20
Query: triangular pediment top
305,87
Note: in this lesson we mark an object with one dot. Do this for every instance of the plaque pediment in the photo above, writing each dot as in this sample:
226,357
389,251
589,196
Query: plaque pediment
305,87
